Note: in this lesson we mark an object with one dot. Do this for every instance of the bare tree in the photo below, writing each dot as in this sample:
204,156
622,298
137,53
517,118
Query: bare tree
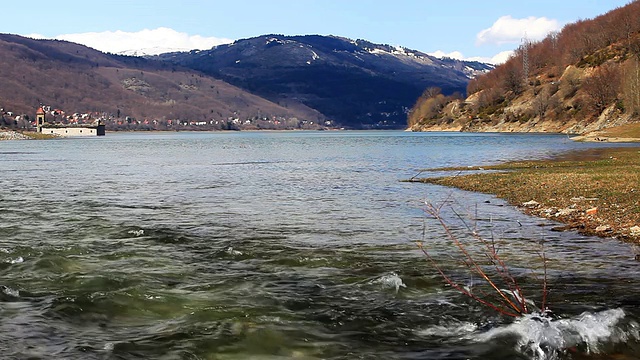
634,48
542,101
513,80
431,92
603,86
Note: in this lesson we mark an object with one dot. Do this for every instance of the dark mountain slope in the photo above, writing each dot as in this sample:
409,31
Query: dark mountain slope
357,83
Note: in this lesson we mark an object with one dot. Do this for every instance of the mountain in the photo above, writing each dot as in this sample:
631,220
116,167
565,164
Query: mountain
358,84
78,79
584,79
272,81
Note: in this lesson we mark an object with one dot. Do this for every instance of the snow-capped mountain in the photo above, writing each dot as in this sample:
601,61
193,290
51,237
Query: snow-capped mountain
356,82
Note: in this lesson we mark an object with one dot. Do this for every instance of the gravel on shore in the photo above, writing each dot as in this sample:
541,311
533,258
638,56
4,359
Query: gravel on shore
12,135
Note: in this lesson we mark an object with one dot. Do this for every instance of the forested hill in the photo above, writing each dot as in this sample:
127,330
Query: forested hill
273,80
355,82
581,79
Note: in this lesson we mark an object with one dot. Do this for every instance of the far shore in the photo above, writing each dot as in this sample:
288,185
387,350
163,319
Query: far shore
6,134
603,136
24,135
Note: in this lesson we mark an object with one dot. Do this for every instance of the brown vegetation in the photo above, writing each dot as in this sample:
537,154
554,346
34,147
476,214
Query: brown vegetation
75,78
584,78
38,136
498,289
594,193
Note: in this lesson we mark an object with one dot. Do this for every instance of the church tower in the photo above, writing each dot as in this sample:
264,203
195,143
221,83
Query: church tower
39,119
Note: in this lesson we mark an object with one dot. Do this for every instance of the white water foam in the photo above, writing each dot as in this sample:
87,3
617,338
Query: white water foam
231,251
458,329
17,260
9,291
312,260
137,233
391,280
543,338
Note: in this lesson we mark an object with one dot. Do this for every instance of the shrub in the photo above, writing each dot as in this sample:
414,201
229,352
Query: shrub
498,289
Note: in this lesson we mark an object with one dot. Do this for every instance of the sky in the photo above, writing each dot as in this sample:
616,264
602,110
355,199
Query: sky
475,30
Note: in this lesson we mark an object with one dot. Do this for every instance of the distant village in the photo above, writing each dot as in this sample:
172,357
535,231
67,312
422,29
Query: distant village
117,122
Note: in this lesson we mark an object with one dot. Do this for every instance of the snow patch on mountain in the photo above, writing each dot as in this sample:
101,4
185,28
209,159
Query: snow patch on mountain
150,51
278,41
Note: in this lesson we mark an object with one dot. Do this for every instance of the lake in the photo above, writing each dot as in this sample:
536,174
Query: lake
278,245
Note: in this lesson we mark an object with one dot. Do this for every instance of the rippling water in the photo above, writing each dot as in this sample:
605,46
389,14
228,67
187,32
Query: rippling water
284,245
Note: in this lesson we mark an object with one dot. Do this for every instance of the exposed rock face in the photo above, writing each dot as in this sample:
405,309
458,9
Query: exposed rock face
561,115
456,116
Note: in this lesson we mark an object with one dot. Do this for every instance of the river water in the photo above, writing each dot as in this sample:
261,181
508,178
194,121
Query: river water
279,245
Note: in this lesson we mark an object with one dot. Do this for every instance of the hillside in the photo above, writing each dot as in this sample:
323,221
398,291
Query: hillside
356,83
582,80
78,79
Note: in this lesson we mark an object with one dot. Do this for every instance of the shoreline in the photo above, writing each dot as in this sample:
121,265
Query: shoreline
594,138
6,134
12,135
24,135
591,192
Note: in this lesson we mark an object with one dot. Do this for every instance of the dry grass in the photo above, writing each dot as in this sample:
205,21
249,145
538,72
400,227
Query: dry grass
39,136
565,189
624,131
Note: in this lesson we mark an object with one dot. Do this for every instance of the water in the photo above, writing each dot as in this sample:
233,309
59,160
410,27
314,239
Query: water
285,245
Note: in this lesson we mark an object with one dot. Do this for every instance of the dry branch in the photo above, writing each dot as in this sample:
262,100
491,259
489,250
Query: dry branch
511,302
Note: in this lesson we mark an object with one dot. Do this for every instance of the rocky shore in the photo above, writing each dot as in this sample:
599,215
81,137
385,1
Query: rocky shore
12,135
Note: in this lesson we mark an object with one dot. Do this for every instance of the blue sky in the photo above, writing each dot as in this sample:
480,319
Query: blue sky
468,29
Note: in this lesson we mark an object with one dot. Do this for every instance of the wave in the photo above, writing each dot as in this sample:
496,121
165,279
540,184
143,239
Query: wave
541,337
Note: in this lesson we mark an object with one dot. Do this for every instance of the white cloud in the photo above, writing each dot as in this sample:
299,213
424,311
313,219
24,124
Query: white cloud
453,55
501,57
145,41
495,60
507,30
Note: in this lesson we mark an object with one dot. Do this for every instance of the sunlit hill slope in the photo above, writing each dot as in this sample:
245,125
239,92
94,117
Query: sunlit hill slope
582,79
